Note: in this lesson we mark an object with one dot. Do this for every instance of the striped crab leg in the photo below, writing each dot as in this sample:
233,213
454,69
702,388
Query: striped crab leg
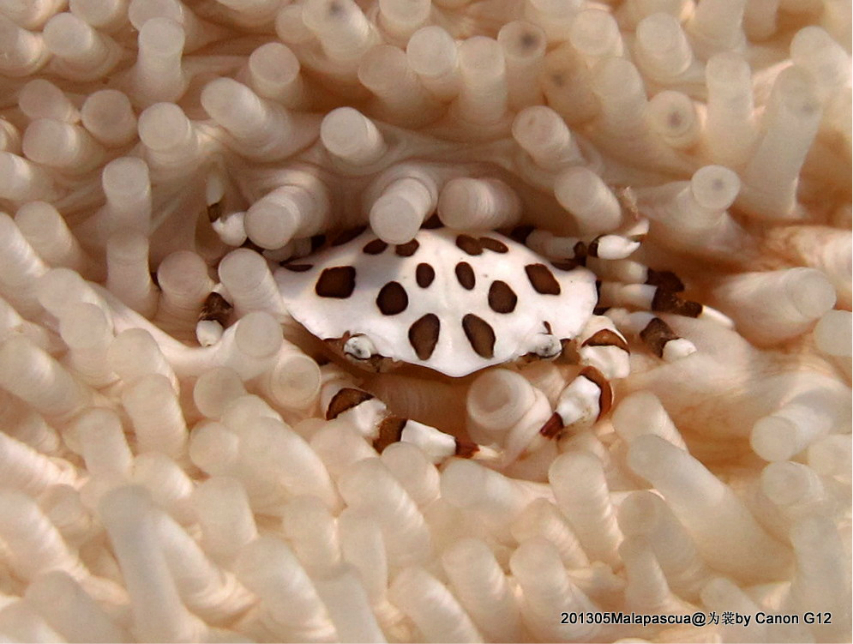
604,356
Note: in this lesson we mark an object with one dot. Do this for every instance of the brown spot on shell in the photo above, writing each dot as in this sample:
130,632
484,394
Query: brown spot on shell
215,309
344,400
423,335
480,334
424,275
374,247
347,235
392,299
489,243
606,338
298,268
465,275
502,299
542,279
605,399
656,334
337,282
469,245
668,302
390,431
408,249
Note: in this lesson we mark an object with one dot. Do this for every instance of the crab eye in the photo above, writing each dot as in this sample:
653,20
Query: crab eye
546,346
359,347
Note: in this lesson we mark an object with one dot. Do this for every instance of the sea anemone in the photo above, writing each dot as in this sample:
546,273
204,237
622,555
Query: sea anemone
170,469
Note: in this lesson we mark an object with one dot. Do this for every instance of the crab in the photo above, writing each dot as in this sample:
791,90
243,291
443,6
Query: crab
457,302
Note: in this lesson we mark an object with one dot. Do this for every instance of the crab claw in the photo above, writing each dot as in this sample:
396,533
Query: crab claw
582,402
439,446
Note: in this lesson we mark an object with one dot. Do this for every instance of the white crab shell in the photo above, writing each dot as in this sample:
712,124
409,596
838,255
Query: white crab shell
448,301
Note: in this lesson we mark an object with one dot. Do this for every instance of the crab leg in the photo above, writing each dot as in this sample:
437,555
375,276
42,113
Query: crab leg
558,248
603,353
630,283
659,294
341,397
654,332
658,299
629,271
610,246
